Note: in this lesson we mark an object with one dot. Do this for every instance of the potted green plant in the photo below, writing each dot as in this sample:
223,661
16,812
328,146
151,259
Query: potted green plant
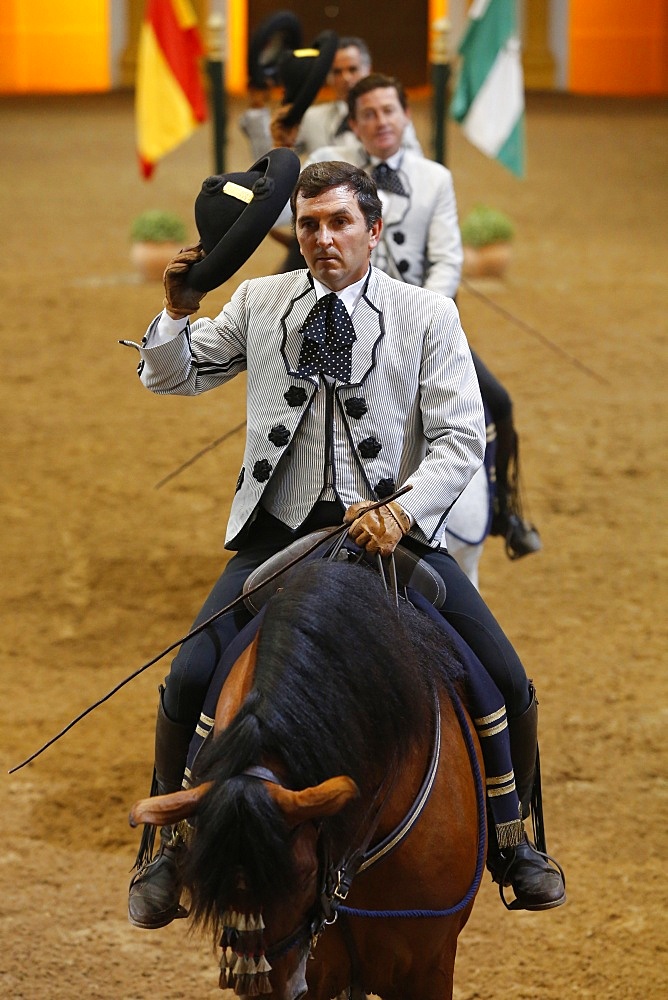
486,235
155,237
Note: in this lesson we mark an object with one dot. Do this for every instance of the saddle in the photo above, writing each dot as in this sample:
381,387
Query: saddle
401,570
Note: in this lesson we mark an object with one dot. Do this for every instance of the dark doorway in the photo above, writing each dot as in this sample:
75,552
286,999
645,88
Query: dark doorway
397,34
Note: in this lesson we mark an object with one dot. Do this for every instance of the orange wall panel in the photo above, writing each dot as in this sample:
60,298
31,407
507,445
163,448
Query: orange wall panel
236,63
617,47
54,47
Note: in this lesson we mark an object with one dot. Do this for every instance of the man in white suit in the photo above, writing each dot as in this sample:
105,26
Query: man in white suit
356,385
327,122
421,244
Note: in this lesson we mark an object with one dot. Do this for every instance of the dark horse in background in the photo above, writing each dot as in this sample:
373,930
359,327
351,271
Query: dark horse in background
339,801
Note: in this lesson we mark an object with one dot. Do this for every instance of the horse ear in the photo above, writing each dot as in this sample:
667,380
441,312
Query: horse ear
325,799
164,810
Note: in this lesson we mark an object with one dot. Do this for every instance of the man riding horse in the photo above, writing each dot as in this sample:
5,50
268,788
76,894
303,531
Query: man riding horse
358,384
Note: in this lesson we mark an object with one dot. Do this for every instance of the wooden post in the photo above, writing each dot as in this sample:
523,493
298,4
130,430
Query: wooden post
215,66
440,77
537,60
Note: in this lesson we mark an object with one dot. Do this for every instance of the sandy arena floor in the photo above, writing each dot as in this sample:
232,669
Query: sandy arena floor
101,571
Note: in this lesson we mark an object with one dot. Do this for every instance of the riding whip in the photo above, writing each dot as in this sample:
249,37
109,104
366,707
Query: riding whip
331,533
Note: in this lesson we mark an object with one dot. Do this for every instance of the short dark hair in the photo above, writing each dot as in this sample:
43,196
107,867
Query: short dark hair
373,82
318,177
353,42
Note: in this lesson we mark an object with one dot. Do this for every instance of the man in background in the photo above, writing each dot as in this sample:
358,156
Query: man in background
421,244
327,123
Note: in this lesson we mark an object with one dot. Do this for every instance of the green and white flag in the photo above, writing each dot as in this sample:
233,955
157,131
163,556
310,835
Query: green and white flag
489,98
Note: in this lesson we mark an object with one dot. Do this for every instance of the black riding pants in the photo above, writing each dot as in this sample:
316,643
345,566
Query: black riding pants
194,664
494,395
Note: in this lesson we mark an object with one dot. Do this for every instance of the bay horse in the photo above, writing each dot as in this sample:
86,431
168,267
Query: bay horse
339,802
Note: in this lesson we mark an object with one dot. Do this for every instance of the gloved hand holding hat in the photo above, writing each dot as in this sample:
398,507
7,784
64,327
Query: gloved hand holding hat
234,212
279,33
302,73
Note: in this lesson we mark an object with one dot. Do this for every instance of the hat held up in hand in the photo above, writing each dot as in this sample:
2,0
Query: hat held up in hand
277,34
234,212
302,73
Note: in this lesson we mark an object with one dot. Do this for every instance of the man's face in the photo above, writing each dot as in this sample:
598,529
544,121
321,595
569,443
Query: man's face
334,237
348,67
379,121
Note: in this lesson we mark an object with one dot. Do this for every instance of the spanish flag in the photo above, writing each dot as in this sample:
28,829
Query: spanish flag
169,96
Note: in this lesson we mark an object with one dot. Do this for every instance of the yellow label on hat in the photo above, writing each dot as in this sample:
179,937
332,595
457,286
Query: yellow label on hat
238,191
300,53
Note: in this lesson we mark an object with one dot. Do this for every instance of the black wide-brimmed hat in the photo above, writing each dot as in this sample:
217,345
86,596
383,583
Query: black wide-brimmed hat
234,212
302,73
278,34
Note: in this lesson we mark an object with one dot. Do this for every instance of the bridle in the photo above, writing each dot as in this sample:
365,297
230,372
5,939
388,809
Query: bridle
336,877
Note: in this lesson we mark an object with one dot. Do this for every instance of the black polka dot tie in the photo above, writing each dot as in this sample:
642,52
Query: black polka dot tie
388,179
328,340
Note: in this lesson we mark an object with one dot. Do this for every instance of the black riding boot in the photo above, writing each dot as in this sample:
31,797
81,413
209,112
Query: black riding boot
538,883
155,889
521,537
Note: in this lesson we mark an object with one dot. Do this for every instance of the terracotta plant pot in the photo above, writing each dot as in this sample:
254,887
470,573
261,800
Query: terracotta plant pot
488,261
150,259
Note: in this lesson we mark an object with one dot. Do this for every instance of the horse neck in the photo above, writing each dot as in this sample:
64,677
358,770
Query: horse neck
407,780
389,797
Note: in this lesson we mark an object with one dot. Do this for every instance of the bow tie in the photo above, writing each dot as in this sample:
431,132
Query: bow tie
328,340
388,179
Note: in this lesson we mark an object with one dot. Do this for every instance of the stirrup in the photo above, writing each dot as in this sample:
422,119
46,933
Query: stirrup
167,907
517,904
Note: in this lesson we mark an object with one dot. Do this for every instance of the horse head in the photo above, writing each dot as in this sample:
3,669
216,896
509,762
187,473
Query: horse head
265,936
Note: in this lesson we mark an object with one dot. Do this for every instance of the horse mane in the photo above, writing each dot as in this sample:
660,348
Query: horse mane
343,685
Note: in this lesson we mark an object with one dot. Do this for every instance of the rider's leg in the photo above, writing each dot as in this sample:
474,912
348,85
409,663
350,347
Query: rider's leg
155,890
521,537
537,885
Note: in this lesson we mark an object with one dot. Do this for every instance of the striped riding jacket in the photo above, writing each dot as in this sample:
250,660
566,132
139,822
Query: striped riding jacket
411,414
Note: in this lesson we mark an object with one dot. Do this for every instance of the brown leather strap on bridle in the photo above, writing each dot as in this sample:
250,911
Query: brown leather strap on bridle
356,990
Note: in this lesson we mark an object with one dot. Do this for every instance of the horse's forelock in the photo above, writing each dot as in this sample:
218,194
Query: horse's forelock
240,835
